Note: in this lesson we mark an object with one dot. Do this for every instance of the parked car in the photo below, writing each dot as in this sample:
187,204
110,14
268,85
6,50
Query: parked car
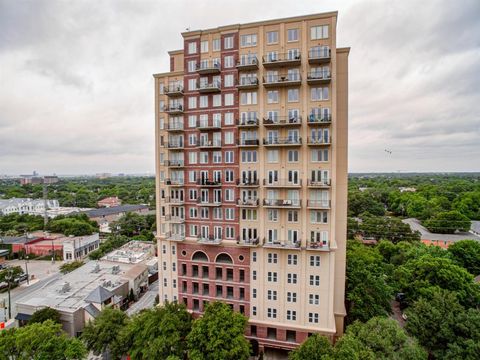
20,278
3,285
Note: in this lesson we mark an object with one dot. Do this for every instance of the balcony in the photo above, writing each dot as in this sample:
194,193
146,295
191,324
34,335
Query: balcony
323,183
174,126
213,87
285,203
283,121
321,119
319,77
317,245
179,145
284,80
288,141
210,240
208,67
319,204
282,183
208,202
208,183
174,109
174,182
282,244
247,83
319,141
175,237
174,90
248,182
209,125
174,201
251,202
175,219
248,142
280,60
174,163
248,123
253,242
248,63
209,144
319,56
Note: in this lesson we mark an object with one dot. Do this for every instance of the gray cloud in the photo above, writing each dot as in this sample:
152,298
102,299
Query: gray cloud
77,89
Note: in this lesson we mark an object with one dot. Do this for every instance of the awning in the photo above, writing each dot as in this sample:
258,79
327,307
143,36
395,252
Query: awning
23,317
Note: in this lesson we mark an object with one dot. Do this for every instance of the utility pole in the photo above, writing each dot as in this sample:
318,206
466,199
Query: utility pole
9,279
45,215
26,270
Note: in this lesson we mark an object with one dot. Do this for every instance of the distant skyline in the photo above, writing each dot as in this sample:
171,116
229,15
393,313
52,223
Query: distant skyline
77,86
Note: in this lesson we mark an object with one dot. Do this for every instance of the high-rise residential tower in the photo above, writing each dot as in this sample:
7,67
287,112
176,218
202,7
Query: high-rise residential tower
251,163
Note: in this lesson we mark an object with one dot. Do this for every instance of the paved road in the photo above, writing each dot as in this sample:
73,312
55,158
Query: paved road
20,292
146,301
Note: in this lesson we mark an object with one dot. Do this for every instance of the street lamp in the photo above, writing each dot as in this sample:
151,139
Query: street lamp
9,278
26,269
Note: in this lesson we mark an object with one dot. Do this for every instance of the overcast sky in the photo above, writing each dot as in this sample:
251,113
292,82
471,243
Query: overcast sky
76,86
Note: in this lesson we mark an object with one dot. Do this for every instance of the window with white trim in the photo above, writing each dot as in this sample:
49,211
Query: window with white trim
192,47
319,32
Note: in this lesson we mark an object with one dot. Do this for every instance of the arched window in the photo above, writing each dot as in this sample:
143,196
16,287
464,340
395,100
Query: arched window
200,256
224,258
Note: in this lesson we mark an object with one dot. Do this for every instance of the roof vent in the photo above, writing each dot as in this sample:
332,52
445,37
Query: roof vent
96,269
115,269
66,287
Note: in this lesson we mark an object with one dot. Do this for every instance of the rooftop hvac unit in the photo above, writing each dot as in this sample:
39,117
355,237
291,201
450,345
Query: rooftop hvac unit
66,287
96,269
115,269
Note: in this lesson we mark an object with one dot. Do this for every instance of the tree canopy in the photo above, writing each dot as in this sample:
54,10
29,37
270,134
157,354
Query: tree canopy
40,341
218,335
45,314
466,253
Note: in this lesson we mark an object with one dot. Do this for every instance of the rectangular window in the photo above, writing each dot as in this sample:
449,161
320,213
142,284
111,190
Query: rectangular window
216,45
192,102
319,32
192,84
292,259
228,80
272,97
204,46
192,48
291,296
228,62
315,280
272,37
315,260
291,278
248,40
272,156
229,120
313,318
217,100
313,299
229,157
291,315
248,98
228,42
272,276
292,35
229,99
203,101
292,95
192,65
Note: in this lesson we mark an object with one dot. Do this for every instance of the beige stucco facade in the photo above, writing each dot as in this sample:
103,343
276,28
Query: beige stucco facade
290,129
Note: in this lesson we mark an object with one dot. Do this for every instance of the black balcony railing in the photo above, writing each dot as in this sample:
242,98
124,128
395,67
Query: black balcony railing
174,90
320,245
321,204
174,126
283,141
282,120
174,163
208,66
282,183
319,183
249,62
174,200
248,142
282,202
322,140
175,145
208,182
206,125
214,143
209,87
247,81
176,108
319,75
319,118
248,202
175,182
201,201
248,182
289,58
319,54
248,241
282,79
248,122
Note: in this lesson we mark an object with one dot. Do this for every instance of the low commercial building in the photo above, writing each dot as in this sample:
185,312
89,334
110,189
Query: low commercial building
77,248
441,240
105,216
81,294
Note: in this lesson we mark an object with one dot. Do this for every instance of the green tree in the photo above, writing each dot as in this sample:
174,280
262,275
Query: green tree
362,201
157,333
102,334
72,226
112,242
447,222
443,326
218,335
134,225
45,314
12,272
387,228
316,347
368,293
416,276
40,341
70,266
466,253
378,338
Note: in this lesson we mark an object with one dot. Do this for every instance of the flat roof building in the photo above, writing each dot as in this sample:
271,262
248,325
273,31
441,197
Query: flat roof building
251,162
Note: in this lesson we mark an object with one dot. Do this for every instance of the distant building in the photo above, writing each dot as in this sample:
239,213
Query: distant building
103,175
26,206
133,252
407,189
77,248
104,216
441,240
109,202
35,180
